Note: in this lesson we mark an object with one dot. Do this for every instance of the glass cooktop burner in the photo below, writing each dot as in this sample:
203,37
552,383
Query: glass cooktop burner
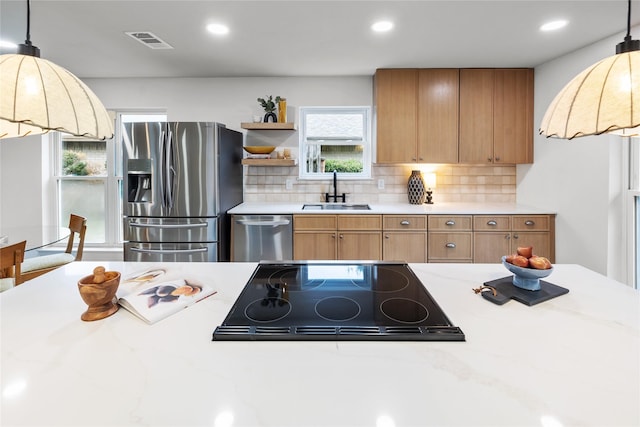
336,301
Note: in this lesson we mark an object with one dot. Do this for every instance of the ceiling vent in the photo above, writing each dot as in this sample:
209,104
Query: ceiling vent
149,39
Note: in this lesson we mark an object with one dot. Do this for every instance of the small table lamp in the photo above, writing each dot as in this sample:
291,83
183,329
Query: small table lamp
430,184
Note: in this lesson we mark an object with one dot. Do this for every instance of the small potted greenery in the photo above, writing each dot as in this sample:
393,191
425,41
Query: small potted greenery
269,106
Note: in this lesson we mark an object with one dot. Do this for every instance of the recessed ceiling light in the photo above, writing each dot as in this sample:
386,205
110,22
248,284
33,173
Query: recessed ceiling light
218,29
554,25
382,26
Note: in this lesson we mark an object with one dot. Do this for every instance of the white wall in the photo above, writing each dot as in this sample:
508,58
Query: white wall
578,179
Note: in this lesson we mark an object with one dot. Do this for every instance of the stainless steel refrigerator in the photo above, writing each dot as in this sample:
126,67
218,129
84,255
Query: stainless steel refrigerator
180,179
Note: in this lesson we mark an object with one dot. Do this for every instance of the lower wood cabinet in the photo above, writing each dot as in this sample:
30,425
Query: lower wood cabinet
498,235
450,238
421,238
343,237
404,238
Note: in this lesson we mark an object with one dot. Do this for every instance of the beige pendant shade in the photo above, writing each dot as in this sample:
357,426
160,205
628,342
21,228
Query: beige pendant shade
604,98
37,95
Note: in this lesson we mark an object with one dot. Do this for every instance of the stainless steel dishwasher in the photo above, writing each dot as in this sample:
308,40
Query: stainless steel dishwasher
262,237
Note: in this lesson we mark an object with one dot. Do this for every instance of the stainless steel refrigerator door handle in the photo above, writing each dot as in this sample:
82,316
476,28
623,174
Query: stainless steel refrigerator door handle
195,225
169,251
171,170
163,168
256,222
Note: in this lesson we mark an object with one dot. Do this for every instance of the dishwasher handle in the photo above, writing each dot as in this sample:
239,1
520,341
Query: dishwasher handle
256,222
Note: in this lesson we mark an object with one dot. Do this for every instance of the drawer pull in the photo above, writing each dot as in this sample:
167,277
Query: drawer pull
492,222
404,222
450,245
450,222
341,236
529,222
386,236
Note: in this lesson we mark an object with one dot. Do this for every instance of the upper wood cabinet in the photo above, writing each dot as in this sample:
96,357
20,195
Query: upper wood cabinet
397,113
417,115
496,116
473,116
438,106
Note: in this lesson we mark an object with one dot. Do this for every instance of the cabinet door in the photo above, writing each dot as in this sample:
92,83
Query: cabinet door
405,247
513,116
476,116
314,245
396,114
539,240
489,247
360,245
438,101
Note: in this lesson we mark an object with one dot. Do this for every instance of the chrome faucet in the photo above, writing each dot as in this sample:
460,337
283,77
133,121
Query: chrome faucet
335,196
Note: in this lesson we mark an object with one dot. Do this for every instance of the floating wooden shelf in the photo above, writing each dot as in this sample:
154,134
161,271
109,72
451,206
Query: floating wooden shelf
270,162
268,126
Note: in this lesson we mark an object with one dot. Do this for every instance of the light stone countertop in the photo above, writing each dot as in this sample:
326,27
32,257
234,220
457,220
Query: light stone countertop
570,361
393,208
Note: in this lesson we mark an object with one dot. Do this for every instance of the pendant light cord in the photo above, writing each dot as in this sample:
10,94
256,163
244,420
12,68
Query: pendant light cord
28,39
27,48
628,37
628,45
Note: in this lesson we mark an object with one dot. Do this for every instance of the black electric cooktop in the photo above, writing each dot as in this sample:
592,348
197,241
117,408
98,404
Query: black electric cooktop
336,301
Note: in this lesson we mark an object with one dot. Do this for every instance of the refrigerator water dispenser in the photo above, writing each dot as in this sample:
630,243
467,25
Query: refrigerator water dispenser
139,181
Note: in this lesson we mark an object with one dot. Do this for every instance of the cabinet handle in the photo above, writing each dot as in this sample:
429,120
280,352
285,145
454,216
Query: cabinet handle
413,158
333,236
497,159
450,245
450,222
492,222
386,236
489,159
506,236
341,236
404,222
515,236
529,222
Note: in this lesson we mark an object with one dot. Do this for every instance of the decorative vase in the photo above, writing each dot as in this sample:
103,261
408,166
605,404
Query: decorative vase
415,188
282,110
270,115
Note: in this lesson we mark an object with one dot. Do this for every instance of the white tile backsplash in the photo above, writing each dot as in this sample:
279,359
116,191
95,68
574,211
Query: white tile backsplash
455,183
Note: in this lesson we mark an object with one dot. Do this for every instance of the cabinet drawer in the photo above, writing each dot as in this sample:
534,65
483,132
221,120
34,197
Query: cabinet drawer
404,222
450,246
492,223
530,222
360,222
449,223
315,222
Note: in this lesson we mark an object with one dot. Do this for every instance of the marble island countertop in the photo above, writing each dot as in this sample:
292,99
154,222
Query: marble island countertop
570,361
265,208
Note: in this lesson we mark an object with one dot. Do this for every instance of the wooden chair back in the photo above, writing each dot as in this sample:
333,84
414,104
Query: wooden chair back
11,258
77,225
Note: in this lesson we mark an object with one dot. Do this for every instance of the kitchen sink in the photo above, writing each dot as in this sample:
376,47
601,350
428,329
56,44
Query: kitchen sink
336,207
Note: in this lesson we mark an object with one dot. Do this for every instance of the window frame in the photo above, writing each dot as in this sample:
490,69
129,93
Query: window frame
113,179
367,142
632,213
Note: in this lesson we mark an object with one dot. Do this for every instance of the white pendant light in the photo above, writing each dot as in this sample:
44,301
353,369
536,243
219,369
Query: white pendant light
604,98
37,96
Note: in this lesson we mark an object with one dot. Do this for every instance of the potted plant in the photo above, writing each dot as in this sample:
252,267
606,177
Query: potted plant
269,106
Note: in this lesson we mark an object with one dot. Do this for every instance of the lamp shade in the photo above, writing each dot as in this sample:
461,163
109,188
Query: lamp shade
37,96
604,98
430,180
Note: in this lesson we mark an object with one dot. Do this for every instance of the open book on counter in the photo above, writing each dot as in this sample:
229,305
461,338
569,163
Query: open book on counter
156,293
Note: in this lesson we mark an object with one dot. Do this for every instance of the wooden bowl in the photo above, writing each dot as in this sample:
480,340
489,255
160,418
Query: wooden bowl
100,297
255,149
